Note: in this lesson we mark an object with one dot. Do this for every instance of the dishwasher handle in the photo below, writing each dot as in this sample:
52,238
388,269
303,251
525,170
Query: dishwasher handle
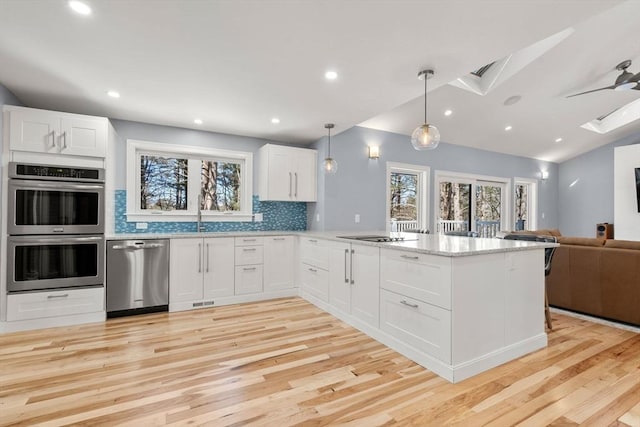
139,245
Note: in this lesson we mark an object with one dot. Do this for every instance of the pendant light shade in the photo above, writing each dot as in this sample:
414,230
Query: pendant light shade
329,165
426,136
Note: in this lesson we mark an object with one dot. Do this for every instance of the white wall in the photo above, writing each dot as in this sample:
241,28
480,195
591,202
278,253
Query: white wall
627,217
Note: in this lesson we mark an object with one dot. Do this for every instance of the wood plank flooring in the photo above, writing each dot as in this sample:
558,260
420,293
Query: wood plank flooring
285,362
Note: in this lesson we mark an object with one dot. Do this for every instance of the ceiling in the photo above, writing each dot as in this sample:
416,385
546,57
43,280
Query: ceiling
237,64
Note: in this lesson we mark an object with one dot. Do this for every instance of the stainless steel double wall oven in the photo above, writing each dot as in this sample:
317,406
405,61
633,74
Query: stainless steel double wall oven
55,226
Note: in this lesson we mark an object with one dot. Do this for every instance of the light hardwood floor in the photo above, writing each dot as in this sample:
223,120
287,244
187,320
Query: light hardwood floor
286,362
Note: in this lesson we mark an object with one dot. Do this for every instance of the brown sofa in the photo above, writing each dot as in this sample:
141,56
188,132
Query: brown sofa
597,277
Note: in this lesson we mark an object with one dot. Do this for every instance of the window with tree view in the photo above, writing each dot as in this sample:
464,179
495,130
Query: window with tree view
220,186
163,183
404,193
180,183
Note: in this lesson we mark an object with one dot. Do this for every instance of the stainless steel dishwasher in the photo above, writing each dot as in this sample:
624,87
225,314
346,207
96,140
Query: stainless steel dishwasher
137,276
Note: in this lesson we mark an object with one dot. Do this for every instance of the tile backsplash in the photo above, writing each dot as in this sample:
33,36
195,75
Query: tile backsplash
288,216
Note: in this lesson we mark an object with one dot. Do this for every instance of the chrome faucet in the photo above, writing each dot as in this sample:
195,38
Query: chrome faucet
200,227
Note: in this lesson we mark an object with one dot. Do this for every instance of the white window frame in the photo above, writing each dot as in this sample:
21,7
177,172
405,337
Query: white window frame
136,148
532,213
423,173
473,179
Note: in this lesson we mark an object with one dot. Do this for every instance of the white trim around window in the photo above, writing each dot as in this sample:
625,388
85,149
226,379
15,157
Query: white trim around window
136,148
423,173
532,208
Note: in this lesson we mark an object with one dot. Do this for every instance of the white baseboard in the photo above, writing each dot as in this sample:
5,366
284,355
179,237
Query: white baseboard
234,299
52,322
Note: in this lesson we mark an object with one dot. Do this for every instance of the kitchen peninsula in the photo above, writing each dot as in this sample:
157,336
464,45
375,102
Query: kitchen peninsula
456,305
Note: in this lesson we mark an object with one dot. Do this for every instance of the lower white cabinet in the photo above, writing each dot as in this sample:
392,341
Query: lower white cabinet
315,281
201,269
423,326
38,305
279,263
354,280
248,279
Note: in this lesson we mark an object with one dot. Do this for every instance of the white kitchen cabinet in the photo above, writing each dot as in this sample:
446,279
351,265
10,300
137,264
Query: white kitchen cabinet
218,267
288,173
40,305
354,280
314,281
279,263
53,132
201,270
249,260
248,279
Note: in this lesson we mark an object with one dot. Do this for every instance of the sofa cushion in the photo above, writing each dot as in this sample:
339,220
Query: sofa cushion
580,241
554,232
622,244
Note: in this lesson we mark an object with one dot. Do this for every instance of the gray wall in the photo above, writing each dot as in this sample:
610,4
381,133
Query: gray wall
590,200
359,184
180,136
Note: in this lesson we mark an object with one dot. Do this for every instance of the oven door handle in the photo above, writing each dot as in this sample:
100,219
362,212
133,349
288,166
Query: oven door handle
56,185
59,240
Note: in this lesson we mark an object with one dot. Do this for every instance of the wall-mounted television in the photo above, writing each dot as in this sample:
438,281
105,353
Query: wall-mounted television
638,187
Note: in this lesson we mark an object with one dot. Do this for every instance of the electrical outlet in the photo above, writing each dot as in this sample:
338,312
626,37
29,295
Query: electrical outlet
357,218
257,217
317,217
141,225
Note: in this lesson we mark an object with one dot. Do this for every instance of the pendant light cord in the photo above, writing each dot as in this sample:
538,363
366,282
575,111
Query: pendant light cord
329,129
425,99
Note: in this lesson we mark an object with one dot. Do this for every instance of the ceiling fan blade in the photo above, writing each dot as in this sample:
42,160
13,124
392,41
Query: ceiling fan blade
604,116
590,91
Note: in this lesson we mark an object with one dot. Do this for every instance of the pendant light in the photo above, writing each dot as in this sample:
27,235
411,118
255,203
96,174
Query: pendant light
426,136
330,165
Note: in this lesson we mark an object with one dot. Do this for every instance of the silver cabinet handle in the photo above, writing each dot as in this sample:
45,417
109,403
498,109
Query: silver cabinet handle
290,183
199,257
64,140
249,249
346,253
408,304
57,296
248,240
409,257
313,270
351,266
53,138
249,268
207,257
296,191
278,238
312,241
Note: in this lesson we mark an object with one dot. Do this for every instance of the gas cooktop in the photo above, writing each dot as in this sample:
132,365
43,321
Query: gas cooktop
376,238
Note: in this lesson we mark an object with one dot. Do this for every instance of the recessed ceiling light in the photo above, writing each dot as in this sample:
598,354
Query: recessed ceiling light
331,75
558,139
198,121
113,94
508,128
448,112
275,120
80,7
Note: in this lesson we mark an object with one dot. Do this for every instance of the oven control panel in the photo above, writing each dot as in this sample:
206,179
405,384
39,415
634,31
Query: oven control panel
62,173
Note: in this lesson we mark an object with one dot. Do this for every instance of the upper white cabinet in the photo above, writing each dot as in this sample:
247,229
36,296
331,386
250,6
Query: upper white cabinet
288,173
52,132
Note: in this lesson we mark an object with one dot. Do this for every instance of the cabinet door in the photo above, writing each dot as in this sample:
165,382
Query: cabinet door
280,177
304,176
33,130
185,272
248,279
218,267
340,275
37,305
278,263
84,137
365,289
315,281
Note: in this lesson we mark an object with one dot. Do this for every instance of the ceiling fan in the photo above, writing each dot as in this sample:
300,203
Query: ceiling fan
625,81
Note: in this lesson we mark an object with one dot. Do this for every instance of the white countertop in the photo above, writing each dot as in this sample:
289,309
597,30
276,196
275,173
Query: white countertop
432,244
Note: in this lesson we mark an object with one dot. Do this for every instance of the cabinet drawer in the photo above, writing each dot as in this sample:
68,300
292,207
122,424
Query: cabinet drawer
423,277
420,325
37,305
249,241
248,255
315,281
314,252
248,279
